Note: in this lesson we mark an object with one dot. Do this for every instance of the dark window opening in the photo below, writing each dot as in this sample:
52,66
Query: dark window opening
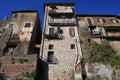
22,33
51,31
104,21
27,24
89,21
100,20
114,21
50,56
61,31
51,46
16,15
10,26
72,46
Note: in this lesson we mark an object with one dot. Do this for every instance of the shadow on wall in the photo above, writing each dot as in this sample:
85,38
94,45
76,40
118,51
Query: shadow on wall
41,70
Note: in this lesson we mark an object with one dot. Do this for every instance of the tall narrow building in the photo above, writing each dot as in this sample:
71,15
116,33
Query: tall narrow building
21,33
18,38
60,42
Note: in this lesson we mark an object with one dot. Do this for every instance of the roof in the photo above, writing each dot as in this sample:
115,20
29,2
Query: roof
58,4
96,15
24,11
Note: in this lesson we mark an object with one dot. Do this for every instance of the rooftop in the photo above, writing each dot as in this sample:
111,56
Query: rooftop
24,11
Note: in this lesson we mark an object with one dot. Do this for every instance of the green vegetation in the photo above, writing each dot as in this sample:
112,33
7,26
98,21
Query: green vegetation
18,79
72,78
22,60
104,53
83,62
81,41
87,78
2,77
30,75
112,28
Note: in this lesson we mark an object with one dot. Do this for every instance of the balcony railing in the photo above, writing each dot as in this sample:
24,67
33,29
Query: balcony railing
54,36
58,12
65,22
53,61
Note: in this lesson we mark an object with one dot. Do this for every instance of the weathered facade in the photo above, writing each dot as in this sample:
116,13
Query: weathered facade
98,28
102,27
19,37
60,42
20,33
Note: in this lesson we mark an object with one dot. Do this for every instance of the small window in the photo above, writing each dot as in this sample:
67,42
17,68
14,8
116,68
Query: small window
71,32
51,31
51,46
50,56
53,7
61,31
89,21
16,15
22,33
114,21
100,20
72,46
10,26
27,25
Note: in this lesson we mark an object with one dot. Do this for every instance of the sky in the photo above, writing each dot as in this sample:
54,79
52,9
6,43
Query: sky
81,6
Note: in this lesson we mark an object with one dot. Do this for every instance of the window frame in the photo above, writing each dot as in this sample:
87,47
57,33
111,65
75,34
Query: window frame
72,46
51,46
15,15
100,20
26,24
10,26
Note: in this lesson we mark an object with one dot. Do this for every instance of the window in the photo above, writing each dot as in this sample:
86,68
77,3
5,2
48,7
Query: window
51,46
15,15
114,21
100,20
27,25
89,21
50,56
10,26
61,31
51,31
22,33
71,32
72,46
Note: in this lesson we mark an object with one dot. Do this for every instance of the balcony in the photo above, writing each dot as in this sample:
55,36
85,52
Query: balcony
53,36
57,12
62,22
112,28
112,31
12,42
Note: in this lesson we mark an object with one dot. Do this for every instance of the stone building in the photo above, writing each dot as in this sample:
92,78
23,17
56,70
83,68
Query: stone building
19,37
60,42
20,33
102,27
97,28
